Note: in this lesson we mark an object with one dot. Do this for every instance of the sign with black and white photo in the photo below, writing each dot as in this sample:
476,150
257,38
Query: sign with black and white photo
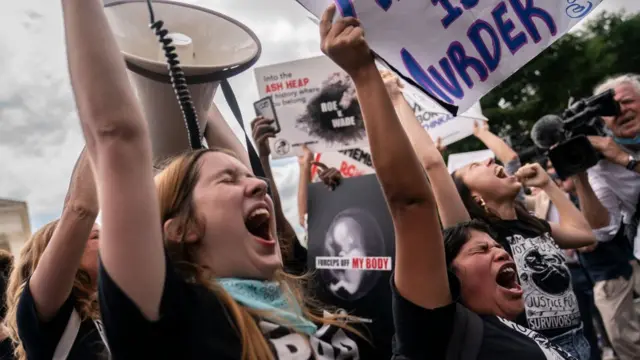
316,104
351,245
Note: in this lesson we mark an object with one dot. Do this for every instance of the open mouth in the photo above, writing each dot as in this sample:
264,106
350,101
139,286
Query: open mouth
500,173
624,120
508,277
258,224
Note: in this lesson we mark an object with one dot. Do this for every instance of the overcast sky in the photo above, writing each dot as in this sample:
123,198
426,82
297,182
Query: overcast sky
40,136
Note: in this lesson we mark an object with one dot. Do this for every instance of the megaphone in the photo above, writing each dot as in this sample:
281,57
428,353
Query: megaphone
210,47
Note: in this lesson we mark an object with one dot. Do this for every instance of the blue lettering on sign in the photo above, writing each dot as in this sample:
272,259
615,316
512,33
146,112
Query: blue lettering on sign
429,123
385,4
348,10
453,12
444,83
492,59
577,9
505,28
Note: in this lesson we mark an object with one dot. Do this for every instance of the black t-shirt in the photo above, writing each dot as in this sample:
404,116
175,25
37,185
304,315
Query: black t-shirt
551,307
425,334
41,339
194,324
6,349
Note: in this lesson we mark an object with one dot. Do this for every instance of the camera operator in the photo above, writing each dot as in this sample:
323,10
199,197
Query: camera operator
616,180
616,183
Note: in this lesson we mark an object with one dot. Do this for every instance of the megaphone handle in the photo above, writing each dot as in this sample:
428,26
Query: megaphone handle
227,91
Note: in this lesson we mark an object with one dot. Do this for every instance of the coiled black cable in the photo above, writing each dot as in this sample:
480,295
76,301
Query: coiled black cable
178,80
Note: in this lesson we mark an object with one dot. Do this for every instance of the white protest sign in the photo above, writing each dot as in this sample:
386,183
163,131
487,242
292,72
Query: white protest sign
316,105
438,122
347,165
458,50
456,161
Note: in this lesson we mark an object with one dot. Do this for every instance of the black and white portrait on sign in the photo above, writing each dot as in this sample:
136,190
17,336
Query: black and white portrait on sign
353,220
352,233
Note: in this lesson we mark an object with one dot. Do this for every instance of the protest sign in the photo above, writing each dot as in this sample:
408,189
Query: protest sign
458,50
352,224
316,104
456,161
438,122
347,165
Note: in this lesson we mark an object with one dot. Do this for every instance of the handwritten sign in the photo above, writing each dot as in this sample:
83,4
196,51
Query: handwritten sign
458,50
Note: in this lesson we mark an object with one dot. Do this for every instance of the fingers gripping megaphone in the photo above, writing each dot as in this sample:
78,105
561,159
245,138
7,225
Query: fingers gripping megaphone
209,48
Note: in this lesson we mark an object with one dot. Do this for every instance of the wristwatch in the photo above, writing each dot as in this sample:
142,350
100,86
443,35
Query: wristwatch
631,165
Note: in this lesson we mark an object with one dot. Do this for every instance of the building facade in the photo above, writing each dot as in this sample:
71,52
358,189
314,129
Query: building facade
15,228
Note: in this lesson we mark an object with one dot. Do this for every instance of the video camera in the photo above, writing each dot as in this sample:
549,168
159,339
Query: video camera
570,151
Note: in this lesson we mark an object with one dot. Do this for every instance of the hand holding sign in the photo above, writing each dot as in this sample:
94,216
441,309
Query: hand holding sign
329,176
343,41
478,129
393,84
261,131
306,157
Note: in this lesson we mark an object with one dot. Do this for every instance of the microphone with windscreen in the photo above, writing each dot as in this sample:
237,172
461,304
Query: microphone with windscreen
548,131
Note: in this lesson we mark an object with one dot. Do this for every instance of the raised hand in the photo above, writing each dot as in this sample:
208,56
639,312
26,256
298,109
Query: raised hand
480,127
261,130
343,42
307,156
329,176
393,84
533,175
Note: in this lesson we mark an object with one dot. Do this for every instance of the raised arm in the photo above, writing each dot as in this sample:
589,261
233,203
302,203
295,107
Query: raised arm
262,131
503,151
450,205
419,244
573,231
219,134
303,185
118,142
53,278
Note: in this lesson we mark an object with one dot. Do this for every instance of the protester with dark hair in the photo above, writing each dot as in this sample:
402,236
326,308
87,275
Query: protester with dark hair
53,286
489,194
190,266
425,316
540,263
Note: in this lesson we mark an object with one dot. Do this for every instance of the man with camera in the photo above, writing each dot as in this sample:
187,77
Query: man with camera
615,180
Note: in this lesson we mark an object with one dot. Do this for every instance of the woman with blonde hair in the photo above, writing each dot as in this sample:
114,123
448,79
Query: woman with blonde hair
190,265
52,309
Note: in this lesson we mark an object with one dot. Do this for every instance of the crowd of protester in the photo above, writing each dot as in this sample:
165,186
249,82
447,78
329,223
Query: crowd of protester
198,261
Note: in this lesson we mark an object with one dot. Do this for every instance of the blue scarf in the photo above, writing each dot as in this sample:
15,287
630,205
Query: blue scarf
268,296
621,141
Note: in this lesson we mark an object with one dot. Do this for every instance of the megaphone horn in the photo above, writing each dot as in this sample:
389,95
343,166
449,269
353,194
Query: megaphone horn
209,46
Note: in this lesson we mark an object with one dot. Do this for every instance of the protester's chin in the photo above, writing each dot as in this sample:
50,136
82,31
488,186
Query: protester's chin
267,265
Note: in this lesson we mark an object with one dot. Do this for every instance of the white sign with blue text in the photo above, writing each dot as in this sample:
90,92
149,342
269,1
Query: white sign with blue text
458,50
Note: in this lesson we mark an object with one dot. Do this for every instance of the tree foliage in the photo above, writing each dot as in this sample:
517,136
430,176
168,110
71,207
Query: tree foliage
570,68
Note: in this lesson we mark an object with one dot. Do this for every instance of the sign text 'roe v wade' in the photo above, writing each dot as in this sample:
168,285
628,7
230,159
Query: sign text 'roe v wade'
316,105
458,50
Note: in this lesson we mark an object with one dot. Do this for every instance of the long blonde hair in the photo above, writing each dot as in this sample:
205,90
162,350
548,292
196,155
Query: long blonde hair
84,293
175,185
